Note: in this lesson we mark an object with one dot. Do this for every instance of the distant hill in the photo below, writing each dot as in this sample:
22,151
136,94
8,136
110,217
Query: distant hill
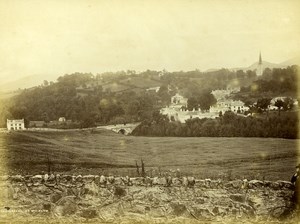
25,82
130,82
265,64
292,61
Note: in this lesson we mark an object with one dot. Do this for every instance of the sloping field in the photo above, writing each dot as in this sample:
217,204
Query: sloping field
115,87
99,151
141,82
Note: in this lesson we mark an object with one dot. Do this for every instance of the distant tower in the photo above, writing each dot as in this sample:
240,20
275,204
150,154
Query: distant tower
259,66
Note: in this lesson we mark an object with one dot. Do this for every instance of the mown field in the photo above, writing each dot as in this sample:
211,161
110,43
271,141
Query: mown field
104,152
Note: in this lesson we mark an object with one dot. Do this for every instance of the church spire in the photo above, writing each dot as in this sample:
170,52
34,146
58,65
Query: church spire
259,70
260,61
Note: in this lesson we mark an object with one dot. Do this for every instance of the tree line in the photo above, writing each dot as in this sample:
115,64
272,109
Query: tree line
227,125
276,81
98,106
60,99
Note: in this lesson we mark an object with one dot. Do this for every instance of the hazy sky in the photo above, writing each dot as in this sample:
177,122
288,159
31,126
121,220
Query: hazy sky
57,37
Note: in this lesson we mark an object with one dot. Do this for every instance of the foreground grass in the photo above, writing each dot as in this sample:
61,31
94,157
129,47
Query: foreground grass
104,152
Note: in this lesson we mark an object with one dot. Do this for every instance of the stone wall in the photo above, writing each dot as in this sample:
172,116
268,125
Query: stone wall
159,199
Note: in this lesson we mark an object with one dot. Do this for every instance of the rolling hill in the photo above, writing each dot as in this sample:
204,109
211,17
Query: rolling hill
101,151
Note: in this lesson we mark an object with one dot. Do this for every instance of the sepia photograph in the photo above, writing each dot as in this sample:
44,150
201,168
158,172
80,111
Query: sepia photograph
148,111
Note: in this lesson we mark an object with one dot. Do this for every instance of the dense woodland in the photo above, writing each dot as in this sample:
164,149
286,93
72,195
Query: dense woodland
227,125
87,100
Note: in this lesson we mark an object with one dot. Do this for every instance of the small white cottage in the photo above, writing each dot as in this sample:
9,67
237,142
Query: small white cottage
15,124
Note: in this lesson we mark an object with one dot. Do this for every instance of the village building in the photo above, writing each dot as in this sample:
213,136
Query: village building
221,94
177,110
15,124
37,124
178,101
153,89
62,119
282,98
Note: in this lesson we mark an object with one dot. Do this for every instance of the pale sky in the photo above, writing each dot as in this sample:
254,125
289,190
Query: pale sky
56,37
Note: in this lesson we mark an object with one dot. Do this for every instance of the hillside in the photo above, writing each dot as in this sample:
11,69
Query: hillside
87,152
265,65
24,82
35,80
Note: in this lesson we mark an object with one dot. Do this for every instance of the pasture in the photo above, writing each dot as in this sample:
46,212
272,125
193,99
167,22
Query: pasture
104,152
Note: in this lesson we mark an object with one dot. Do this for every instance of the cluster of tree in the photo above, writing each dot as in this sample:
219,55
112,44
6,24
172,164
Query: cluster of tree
191,81
97,106
263,105
60,99
277,80
202,100
228,125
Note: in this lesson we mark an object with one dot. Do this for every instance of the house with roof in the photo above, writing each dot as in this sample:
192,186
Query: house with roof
37,124
177,109
18,124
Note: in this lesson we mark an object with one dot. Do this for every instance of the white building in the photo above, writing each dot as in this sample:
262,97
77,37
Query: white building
62,119
221,94
154,89
15,124
177,110
179,100
229,105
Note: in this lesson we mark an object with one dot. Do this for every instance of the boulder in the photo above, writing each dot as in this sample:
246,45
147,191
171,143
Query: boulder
91,188
178,209
103,180
79,178
110,179
119,191
177,182
202,212
138,181
41,189
127,181
148,181
207,183
255,184
47,206
16,178
97,179
55,197
119,181
88,178
200,183
219,211
66,179
66,206
168,181
191,181
159,181
89,213
45,177
285,184
238,198
234,184
37,180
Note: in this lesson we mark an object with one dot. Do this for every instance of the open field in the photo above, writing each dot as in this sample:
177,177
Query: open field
104,152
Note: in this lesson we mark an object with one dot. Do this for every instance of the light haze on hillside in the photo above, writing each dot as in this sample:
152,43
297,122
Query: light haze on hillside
52,38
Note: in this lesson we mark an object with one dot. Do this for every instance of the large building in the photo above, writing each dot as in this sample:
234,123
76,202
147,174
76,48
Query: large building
177,110
15,124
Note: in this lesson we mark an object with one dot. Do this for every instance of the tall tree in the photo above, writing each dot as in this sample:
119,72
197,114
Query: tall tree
263,104
206,100
279,104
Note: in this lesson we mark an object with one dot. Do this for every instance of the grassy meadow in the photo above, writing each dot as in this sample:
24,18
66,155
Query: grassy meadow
104,152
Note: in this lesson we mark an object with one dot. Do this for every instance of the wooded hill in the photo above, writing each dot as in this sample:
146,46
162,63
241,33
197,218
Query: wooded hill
88,100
